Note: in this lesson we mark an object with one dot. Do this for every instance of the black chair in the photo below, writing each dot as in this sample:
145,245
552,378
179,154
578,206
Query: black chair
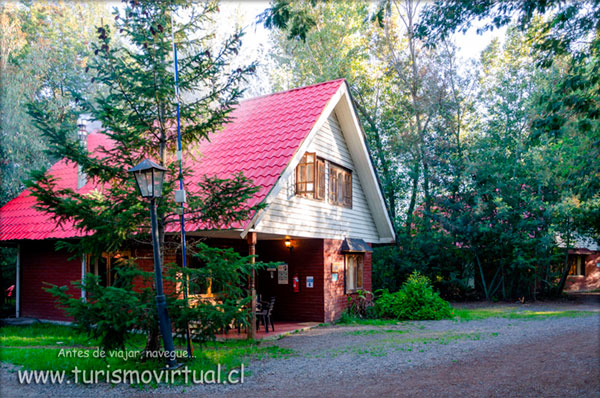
265,314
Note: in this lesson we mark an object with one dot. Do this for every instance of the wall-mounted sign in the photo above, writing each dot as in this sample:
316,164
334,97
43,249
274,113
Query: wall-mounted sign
337,266
310,281
334,277
282,274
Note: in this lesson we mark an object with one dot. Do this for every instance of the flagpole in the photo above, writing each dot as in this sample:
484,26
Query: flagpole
180,195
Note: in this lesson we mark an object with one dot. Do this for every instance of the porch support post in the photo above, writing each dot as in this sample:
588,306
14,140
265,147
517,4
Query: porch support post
252,252
18,283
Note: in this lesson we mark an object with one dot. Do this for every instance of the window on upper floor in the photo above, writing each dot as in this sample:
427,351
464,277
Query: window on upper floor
310,177
340,186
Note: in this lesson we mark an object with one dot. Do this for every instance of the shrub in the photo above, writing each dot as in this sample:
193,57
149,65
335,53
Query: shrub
360,305
416,300
108,313
227,272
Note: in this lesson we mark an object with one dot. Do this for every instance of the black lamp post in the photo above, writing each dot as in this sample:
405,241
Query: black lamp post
149,177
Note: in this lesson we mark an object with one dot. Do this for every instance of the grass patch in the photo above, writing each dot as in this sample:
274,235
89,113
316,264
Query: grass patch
36,347
41,334
370,332
514,313
347,319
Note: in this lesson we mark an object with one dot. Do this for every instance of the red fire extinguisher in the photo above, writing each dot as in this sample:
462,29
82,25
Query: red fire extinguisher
296,283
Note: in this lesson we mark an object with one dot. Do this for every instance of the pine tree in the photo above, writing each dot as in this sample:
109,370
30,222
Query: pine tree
137,108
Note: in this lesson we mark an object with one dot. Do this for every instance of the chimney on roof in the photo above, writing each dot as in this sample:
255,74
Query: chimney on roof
82,136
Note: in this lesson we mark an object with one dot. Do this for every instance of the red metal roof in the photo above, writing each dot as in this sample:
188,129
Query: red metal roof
261,140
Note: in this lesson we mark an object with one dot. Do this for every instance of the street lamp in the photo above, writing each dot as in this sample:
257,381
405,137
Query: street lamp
149,177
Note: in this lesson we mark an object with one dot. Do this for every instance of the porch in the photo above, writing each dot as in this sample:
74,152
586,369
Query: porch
282,328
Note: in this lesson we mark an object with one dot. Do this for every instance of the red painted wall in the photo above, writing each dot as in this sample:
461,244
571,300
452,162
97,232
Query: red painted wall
324,302
591,280
306,259
40,263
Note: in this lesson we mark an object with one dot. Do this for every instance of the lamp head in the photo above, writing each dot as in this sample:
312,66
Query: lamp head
149,177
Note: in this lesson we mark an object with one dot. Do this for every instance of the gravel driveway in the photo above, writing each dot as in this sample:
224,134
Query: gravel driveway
495,357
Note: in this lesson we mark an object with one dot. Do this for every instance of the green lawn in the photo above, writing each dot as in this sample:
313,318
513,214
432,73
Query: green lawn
463,314
55,347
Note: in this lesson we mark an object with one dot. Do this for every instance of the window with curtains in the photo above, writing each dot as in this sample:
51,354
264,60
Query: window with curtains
310,177
340,186
354,272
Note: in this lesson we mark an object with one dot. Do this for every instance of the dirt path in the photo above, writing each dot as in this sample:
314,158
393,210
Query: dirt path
562,366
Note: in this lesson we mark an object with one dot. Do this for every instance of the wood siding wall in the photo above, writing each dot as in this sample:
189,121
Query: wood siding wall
293,215
40,263
306,259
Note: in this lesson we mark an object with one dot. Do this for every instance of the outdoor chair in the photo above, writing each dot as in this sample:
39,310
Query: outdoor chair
266,315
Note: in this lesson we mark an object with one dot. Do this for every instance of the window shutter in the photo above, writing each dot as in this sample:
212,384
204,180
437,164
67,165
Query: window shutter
320,180
348,189
340,187
332,185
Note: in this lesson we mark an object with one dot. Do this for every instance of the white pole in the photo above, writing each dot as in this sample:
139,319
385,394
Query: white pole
83,269
18,293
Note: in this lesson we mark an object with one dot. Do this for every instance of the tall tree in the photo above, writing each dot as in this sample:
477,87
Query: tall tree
45,48
137,109
570,108
321,41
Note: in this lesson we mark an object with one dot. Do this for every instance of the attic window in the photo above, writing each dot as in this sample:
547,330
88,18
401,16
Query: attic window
340,186
310,177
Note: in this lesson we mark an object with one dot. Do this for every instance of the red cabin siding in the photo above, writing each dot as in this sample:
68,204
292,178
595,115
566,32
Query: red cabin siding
324,302
41,263
305,259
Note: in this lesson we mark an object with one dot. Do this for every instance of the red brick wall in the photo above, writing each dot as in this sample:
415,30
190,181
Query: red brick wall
335,299
145,261
591,280
306,259
40,263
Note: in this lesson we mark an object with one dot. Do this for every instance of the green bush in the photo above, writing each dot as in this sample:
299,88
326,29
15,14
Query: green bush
360,305
109,313
416,300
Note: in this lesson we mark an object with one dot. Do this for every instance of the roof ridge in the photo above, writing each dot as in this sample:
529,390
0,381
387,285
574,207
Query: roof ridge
292,89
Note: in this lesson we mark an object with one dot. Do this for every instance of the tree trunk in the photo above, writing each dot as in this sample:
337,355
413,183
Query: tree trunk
152,343
565,273
413,200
